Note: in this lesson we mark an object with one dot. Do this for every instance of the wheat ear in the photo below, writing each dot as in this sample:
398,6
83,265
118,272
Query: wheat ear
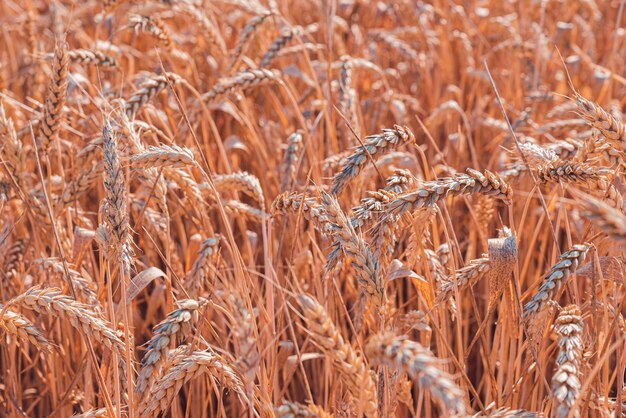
243,80
352,244
373,146
420,363
15,324
52,117
555,278
327,337
177,323
149,89
183,369
566,383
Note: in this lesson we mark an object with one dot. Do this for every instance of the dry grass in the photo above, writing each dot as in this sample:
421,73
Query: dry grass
282,208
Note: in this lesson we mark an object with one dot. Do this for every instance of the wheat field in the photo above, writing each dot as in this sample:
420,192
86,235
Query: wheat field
327,208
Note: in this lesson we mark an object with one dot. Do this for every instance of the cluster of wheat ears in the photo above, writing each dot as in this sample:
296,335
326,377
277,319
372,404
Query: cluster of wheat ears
293,208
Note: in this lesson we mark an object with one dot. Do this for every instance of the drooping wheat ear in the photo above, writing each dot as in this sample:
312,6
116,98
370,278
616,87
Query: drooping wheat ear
566,383
352,244
403,354
285,36
399,45
464,277
84,285
81,184
296,203
508,413
429,193
602,120
201,268
161,156
244,210
149,89
152,25
240,182
348,362
243,80
290,160
115,212
86,56
245,36
51,301
569,172
15,324
183,369
298,410
611,221
11,147
48,128
536,154
177,324
555,278
374,145
188,185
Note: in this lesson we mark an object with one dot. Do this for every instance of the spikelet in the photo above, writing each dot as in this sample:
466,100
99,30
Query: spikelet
81,184
50,124
352,244
566,383
182,369
243,80
327,337
406,355
177,324
15,324
555,278
148,89
373,145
